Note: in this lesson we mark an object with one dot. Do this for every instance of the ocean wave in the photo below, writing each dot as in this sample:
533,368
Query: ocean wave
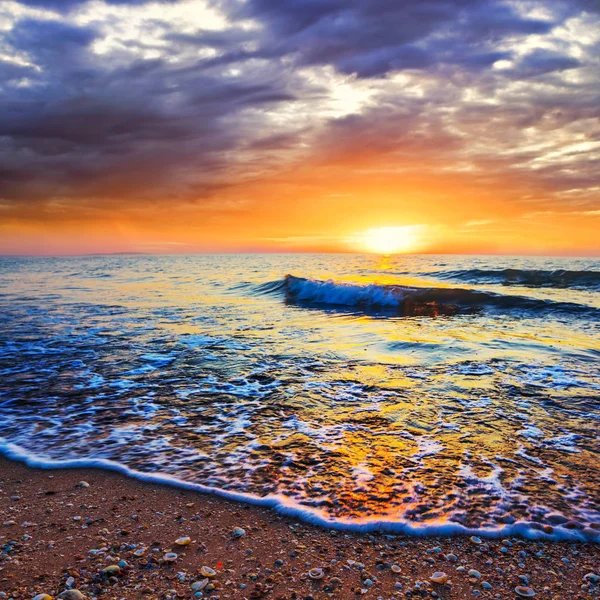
559,278
402,300
287,507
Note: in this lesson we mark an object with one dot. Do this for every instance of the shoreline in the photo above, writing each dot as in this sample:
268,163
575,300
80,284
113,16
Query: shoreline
53,529
529,531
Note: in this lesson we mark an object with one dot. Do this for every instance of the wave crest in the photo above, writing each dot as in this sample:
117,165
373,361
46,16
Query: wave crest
401,300
528,278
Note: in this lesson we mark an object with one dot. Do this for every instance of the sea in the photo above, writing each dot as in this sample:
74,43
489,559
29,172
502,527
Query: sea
420,395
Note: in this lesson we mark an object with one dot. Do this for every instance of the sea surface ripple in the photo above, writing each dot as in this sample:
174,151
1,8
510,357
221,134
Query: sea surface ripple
419,394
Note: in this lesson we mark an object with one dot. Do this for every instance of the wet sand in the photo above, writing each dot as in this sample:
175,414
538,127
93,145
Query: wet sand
56,533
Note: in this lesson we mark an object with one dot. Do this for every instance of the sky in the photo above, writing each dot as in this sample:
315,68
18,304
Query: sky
465,126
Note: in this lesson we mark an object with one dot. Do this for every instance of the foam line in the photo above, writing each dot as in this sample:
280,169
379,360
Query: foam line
285,507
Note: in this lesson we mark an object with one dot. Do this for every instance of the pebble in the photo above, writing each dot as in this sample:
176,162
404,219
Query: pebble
439,577
238,532
42,597
111,571
208,572
396,569
83,484
71,595
183,541
525,592
316,573
198,586
476,540
170,557
474,573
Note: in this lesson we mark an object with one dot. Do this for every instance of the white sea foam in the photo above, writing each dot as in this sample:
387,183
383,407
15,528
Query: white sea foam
285,506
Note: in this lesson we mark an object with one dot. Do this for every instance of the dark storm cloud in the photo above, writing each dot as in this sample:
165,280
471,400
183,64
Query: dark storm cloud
51,41
379,36
82,127
540,62
176,113
66,5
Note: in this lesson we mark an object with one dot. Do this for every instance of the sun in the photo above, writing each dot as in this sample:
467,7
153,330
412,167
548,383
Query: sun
389,240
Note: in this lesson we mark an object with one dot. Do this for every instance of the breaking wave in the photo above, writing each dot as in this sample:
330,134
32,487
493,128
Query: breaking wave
407,301
528,278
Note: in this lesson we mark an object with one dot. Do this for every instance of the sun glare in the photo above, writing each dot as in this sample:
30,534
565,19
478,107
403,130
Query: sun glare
390,240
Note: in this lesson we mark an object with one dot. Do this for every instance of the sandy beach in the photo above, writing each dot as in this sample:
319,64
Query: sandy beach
65,529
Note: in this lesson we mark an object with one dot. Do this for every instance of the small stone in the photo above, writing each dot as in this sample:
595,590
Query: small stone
183,541
170,557
474,573
396,569
140,552
208,572
439,577
316,573
198,586
525,592
111,571
71,595
238,532
83,484
476,540
486,585
43,597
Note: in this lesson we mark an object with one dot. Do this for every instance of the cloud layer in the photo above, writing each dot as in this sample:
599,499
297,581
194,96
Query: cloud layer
137,104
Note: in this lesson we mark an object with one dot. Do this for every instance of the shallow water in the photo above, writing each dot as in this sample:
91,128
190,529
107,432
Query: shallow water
430,394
